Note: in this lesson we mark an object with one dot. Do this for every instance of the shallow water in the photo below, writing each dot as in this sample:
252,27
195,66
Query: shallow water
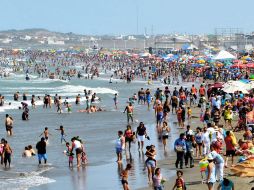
98,130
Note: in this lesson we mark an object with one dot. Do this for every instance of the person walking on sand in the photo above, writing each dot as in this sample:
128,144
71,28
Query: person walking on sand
129,110
41,150
124,175
179,184
210,173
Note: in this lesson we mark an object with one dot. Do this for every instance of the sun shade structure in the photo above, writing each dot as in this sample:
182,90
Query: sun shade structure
224,55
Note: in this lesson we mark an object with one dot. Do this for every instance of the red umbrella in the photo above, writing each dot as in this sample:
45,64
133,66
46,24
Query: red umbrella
250,65
238,65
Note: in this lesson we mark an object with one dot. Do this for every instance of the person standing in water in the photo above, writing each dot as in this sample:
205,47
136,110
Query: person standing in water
124,176
115,101
120,145
7,154
59,105
61,129
129,110
46,134
9,125
41,150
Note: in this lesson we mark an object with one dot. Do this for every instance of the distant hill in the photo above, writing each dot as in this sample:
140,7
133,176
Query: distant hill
36,32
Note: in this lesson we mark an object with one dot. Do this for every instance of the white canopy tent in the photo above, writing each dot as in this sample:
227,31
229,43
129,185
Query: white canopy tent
224,55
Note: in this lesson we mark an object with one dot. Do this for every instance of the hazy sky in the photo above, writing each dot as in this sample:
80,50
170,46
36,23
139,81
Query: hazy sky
120,16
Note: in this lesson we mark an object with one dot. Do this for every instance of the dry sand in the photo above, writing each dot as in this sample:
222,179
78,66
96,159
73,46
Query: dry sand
192,176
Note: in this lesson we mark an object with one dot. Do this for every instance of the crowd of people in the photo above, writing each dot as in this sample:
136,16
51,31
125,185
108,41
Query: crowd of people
215,138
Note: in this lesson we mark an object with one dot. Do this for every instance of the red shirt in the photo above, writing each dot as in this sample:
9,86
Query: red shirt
229,144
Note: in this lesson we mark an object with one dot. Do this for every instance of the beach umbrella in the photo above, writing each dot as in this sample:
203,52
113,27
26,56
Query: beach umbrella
238,65
250,65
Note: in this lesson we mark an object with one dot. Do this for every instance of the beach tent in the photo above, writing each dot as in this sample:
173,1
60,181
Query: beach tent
224,55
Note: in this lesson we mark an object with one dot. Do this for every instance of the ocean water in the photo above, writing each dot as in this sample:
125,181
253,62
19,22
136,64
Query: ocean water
98,130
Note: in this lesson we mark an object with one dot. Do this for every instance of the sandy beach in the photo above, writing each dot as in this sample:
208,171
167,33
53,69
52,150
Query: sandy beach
192,176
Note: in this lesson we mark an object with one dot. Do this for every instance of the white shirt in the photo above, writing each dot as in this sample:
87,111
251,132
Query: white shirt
206,138
77,144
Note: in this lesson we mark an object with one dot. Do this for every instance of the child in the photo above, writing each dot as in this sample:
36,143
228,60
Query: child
68,106
71,157
179,184
46,134
84,159
189,112
61,129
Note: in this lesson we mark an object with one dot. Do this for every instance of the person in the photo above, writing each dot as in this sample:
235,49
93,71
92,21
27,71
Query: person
115,101
189,131
30,148
7,154
26,153
219,163
71,158
174,102
165,132
124,175
158,180
206,141
25,115
226,184
59,105
166,110
148,98
129,110
150,161
46,134
179,184
33,101
41,150
198,139
189,152
228,116
128,134
189,113
120,143
61,129
78,99
9,125
180,149
141,134
210,172
159,116
230,148
2,150
179,116
78,147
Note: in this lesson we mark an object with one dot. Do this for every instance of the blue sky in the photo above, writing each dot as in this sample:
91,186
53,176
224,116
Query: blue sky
120,16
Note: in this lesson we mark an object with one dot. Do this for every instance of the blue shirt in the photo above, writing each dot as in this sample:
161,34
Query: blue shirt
180,142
